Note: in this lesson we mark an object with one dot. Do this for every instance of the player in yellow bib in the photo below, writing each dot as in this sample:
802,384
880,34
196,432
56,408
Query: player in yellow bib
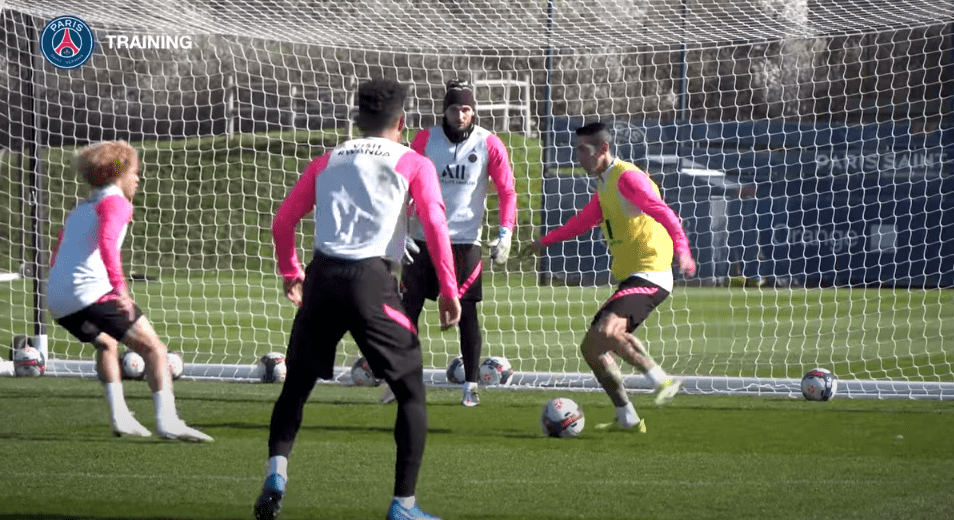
643,234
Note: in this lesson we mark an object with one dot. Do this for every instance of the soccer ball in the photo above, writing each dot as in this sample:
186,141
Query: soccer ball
562,418
28,362
175,364
132,364
362,375
271,368
819,384
495,370
455,371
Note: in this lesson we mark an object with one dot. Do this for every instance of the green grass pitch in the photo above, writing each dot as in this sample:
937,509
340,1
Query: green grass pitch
233,317
703,457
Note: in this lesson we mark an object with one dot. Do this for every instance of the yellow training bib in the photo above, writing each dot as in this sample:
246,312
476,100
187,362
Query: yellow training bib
637,242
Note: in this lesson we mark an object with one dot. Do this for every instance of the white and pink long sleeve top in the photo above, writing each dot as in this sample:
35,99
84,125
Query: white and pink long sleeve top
360,193
462,171
87,267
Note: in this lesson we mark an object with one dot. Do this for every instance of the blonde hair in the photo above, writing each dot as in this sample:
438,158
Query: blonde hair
102,163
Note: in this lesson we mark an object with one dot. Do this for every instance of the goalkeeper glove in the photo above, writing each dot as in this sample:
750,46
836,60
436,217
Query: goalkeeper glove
410,249
500,246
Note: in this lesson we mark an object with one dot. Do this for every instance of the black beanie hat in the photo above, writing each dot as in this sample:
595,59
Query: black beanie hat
458,93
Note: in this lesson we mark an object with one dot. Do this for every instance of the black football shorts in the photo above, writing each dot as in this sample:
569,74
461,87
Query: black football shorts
107,317
356,296
419,279
634,299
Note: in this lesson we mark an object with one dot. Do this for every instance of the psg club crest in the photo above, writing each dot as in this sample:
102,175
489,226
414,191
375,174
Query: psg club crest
67,42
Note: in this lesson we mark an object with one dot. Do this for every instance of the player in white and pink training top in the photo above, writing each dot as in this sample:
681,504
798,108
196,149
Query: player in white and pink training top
359,193
466,156
643,234
88,296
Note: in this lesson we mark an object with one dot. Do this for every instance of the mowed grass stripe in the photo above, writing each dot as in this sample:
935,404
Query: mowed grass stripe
859,333
703,457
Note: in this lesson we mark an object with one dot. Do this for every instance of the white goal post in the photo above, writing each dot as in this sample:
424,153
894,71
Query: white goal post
808,148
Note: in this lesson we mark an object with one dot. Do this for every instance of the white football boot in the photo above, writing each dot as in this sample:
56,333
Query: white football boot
128,425
177,429
471,395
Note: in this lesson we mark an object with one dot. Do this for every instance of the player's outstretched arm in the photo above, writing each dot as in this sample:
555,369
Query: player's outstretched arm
533,249
588,218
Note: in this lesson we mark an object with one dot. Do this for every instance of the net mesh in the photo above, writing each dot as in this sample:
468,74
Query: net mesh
805,145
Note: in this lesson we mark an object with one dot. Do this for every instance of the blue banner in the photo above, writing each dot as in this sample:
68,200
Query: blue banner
789,203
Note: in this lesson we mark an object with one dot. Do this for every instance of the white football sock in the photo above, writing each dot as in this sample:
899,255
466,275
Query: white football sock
278,464
406,502
165,403
469,386
116,400
627,415
657,375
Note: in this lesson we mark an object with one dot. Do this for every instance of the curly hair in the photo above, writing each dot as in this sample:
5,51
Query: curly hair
102,163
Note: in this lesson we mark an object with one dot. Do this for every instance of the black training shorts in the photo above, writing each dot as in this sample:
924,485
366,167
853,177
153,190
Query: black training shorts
634,299
106,317
419,279
356,296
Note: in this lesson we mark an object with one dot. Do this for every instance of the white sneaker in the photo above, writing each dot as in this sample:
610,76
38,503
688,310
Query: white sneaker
128,425
668,390
177,429
388,395
471,397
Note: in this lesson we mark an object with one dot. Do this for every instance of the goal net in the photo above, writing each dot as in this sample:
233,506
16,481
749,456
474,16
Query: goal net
808,148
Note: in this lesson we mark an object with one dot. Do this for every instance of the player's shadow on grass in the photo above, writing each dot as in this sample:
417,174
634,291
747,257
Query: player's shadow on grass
32,394
389,430
46,437
318,427
104,438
